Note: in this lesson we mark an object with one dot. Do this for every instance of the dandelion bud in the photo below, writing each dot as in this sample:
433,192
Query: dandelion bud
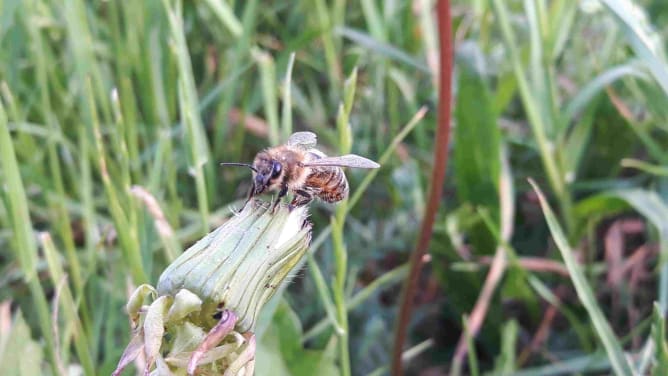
213,292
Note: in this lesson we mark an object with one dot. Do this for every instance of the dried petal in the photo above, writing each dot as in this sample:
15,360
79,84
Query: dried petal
212,339
130,353
185,303
154,328
136,301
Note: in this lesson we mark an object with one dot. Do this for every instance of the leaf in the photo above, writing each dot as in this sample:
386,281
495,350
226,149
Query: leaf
505,362
599,83
645,43
225,14
645,167
477,153
385,49
659,338
20,355
609,140
267,69
286,110
280,351
584,291
268,357
596,364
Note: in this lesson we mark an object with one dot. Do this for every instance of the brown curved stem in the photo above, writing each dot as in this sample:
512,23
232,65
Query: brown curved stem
437,180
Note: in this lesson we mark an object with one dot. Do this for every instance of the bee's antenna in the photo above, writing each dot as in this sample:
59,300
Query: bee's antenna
239,164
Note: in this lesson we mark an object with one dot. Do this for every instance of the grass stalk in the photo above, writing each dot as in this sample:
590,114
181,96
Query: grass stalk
323,292
270,99
86,196
225,14
388,278
68,304
345,208
25,249
337,225
538,118
472,356
286,112
326,28
612,346
236,65
60,211
385,157
127,233
338,287
198,146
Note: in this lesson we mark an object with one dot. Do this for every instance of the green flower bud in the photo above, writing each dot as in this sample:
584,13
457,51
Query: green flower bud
215,290
240,265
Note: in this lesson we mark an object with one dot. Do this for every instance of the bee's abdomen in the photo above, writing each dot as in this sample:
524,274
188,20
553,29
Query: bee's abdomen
330,183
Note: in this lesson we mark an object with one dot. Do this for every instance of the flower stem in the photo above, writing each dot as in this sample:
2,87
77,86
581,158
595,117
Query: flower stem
436,188
339,285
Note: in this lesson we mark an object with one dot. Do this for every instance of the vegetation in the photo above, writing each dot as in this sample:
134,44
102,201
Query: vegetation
115,114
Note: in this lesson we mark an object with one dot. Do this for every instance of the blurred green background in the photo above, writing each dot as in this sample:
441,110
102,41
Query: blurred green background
114,116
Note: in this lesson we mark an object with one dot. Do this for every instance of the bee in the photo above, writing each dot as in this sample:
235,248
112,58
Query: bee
301,169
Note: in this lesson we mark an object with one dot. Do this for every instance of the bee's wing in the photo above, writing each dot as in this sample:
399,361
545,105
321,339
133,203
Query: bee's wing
349,160
304,140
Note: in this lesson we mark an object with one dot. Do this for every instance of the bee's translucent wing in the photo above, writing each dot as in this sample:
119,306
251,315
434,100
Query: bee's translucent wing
349,160
305,140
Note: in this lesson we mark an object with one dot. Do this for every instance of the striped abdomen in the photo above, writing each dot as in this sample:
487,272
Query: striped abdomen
327,183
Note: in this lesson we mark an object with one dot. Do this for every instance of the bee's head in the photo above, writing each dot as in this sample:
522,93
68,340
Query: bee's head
268,173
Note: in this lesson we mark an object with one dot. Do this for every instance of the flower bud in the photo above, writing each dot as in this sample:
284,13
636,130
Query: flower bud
240,265
216,289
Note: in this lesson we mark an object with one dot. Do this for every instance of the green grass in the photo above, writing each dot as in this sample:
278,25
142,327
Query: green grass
115,114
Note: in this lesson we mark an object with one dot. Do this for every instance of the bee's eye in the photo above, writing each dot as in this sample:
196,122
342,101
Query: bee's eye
276,169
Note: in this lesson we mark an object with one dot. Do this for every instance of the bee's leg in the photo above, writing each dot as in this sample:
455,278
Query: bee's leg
250,194
281,194
301,198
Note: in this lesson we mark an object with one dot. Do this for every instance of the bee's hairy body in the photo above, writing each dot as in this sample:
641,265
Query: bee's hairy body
327,183
300,168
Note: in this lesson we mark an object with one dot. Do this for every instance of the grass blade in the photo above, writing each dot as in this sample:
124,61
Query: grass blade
198,146
659,338
584,291
68,304
24,247
226,15
474,368
598,84
385,157
268,80
286,112
393,276
477,153
383,49
645,44
536,111
331,55
323,291
127,234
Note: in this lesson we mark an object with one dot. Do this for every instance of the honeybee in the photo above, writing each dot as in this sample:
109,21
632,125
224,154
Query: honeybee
298,167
